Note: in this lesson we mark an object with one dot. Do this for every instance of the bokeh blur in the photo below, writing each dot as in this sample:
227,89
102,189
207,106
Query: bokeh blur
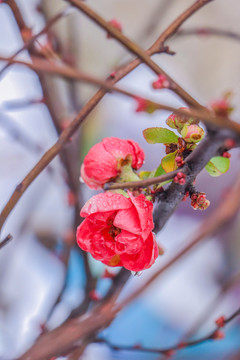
42,275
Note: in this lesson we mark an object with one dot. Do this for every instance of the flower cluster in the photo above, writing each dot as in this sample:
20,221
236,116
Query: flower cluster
161,83
190,131
199,201
117,229
180,178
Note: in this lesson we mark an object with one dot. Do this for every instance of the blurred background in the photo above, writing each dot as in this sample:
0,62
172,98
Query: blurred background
42,277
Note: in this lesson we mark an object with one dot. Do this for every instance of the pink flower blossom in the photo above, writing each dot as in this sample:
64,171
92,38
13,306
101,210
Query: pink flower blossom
104,161
118,230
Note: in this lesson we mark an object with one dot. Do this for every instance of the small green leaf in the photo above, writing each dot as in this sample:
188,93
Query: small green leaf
159,135
168,162
217,166
146,174
160,171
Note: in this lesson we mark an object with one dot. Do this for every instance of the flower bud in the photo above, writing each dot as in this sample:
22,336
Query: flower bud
161,83
116,24
192,133
176,121
171,122
199,201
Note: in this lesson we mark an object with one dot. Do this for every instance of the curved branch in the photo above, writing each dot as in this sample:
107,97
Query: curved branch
63,139
137,50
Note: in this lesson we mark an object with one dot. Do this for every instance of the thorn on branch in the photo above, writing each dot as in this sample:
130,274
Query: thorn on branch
19,187
5,241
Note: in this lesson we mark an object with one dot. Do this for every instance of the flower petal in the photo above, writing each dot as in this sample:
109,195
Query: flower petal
118,148
128,219
93,241
105,202
144,259
99,166
132,243
144,209
137,154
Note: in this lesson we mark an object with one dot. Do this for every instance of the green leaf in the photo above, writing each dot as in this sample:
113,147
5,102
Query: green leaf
159,135
146,174
217,166
168,162
159,171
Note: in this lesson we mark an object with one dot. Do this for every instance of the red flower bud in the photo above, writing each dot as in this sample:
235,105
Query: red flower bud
104,161
94,295
180,178
169,353
221,107
192,133
218,335
116,24
226,154
108,275
71,198
161,82
199,201
220,322
176,121
230,143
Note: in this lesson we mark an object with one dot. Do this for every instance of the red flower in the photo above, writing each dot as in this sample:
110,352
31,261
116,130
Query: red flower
117,230
105,159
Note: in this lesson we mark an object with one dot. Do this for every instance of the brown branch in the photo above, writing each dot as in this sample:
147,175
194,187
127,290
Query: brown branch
209,31
142,183
61,339
173,28
226,287
137,50
17,14
67,71
165,351
31,41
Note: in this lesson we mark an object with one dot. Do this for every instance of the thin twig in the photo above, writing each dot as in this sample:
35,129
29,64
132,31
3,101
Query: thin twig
143,183
31,41
210,336
208,31
43,66
136,49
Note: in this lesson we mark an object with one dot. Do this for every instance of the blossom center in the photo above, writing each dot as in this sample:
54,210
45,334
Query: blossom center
112,230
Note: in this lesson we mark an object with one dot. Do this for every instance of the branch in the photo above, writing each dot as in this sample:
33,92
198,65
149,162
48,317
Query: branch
62,338
83,113
31,41
43,66
5,241
226,287
137,50
142,183
209,31
226,210
213,335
